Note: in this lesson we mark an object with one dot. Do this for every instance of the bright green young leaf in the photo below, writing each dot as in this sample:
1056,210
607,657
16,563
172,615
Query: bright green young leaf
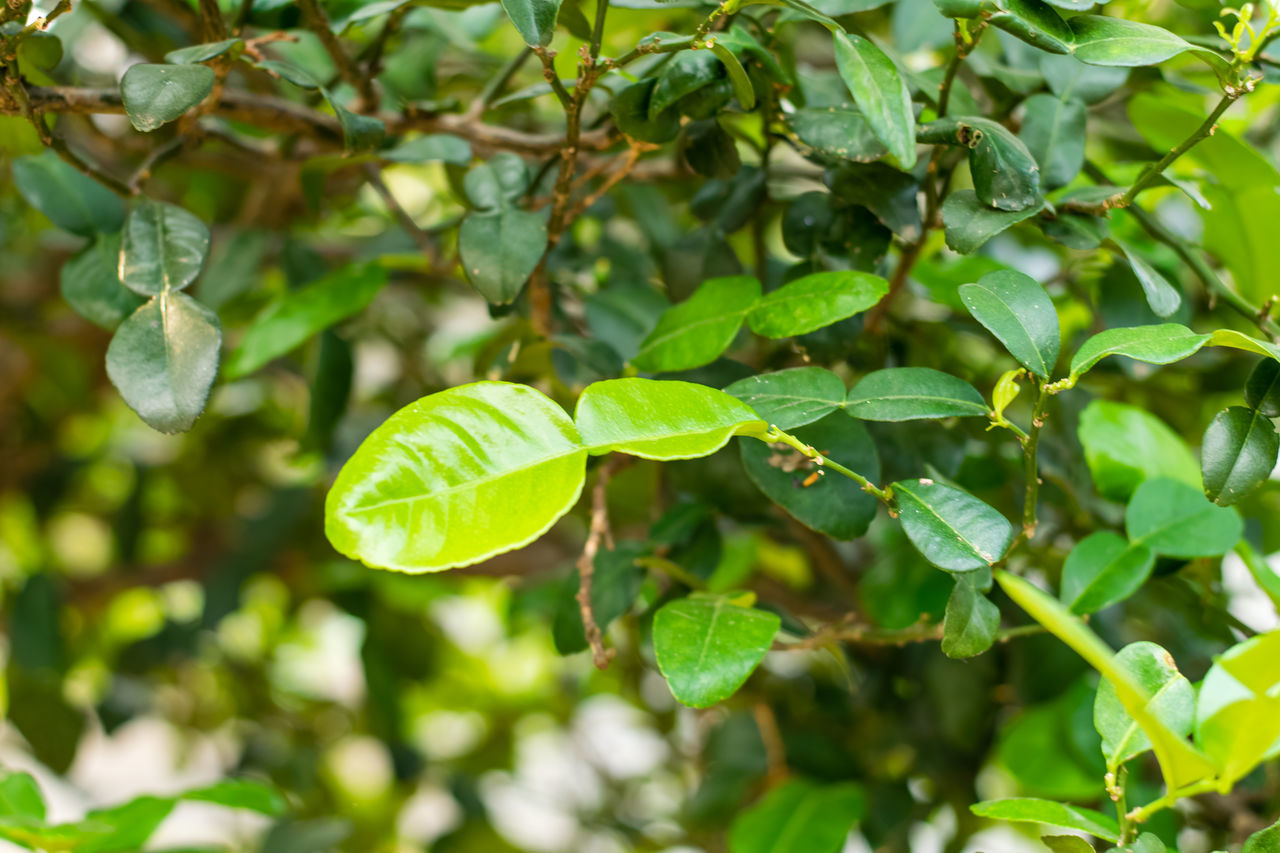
1102,40
1176,520
791,398
880,93
1066,844
1262,389
1180,762
163,248
798,816
839,132
1238,454
1238,340
706,647
456,478
695,332
157,94
1162,344
1163,298
20,797
969,223
1172,702
534,19
1264,841
831,504
1053,130
814,301
240,794
1103,569
913,393
658,419
163,359
1050,813
971,621
1016,309
90,282
1238,707
72,201
500,249
951,528
304,312
1124,445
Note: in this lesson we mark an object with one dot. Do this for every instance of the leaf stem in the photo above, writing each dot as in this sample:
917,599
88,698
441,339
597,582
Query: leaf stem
1153,172
1032,468
1141,815
777,436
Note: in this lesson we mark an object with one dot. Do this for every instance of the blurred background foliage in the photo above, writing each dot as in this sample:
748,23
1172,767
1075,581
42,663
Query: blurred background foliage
173,613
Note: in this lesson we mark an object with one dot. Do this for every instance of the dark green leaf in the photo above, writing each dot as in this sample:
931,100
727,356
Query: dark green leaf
971,622
688,72
707,647
838,132
534,19
1103,569
157,94
498,182
791,398
913,393
1069,78
1163,298
430,147
90,282
1262,390
630,109
359,132
615,583
1053,130
742,88
1005,175
696,331
1016,309
1174,519
951,528
71,200
969,223
880,93
1172,702
203,52
798,817
814,301
163,248
500,249
1238,454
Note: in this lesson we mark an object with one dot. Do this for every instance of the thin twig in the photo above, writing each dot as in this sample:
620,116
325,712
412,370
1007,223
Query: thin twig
598,532
419,237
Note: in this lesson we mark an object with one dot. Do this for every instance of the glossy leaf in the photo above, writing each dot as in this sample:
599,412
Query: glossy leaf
163,248
1005,174
1238,454
1238,707
500,249
155,95
163,359
456,478
951,528
971,621
1103,569
1053,130
831,504
791,398
1262,389
1162,344
913,393
685,74
1102,40
534,19
304,312
838,132
742,88
706,647
1175,519
880,93
1172,702
1124,445
661,419
1163,298
814,301
90,282
969,223
695,332
1016,309
71,200
798,816
1050,813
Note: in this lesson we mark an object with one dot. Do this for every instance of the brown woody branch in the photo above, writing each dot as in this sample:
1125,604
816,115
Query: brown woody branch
598,532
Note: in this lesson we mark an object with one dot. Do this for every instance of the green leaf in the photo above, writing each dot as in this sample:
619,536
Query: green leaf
301,313
1031,810
657,419
1071,79
127,826
1172,702
455,478
707,647
534,19
1103,569
359,132
500,249
913,393
240,794
695,332
497,182
1238,707
630,110
1238,454
831,504
71,200
20,796
1239,340
791,398
841,133
1163,298
163,248
203,52
90,282
1174,519
971,621
742,88
299,77
1033,22
951,528
157,94
1262,389
1053,130
1124,445
880,93
1264,841
163,359
814,301
1005,174
1101,40
969,223
1067,844
1180,762
798,816
685,74
1162,344
443,147
1016,309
